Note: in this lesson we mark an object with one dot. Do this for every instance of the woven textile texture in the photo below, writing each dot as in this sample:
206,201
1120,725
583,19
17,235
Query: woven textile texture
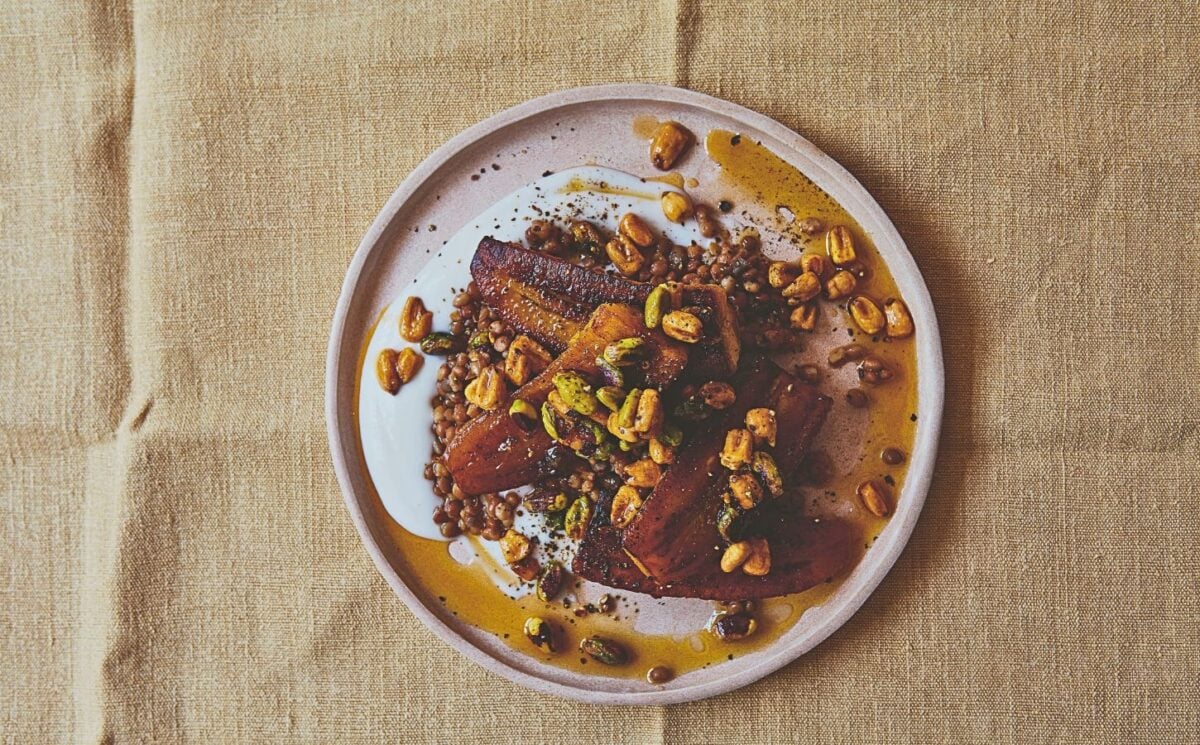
181,194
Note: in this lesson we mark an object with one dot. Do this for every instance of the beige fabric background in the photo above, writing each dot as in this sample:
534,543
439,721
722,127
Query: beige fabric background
182,190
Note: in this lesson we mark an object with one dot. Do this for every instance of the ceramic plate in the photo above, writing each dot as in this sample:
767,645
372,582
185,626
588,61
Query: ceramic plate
468,175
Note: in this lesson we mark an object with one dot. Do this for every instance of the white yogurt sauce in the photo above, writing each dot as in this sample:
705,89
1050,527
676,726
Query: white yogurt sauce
395,430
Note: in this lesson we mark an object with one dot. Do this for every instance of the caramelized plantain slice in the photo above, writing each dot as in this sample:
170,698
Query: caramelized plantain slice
674,534
493,452
804,554
549,298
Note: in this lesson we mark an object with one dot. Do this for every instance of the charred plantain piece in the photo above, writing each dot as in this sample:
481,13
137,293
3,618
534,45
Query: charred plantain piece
495,452
674,534
549,298
804,552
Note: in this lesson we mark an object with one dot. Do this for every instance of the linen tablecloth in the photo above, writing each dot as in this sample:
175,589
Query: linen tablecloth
183,187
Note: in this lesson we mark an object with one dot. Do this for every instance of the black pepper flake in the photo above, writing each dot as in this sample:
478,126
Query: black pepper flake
483,170
729,657
725,205
735,140
547,173
890,481
912,418
474,176
495,166
432,228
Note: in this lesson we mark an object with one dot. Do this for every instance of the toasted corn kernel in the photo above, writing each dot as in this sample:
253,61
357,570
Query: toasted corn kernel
620,431
761,423
816,264
635,229
767,471
867,315
514,546
875,497
624,255
839,356
804,318
526,359
625,506
385,371
670,141
739,447
746,490
734,556
661,453
523,413
683,326
781,274
576,392
488,390
804,288
579,514
540,633
841,284
643,473
649,418
415,321
899,320
718,394
758,564
839,244
675,206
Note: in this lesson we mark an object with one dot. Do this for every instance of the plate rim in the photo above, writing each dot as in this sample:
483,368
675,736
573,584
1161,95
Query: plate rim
932,383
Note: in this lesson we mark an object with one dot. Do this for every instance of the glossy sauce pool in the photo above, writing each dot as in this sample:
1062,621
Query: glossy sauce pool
773,196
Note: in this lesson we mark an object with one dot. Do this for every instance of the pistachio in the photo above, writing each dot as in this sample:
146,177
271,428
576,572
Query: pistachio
415,321
624,255
550,581
804,288
781,274
866,314
526,359
440,343
758,564
841,284
692,411
548,421
546,500
683,326
385,371
670,141
625,506
658,304
628,351
839,244
727,522
488,390
514,546
746,490
734,556
635,229
739,447
611,373
611,397
816,264
523,413
643,473
676,206
761,423
576,392
558,403
767,471
604,650
540,632
672,435
479,340
579,514
839,356
804,317
660,453
718,394
629,408
649,418
731,627
874,371
875,497
899,320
